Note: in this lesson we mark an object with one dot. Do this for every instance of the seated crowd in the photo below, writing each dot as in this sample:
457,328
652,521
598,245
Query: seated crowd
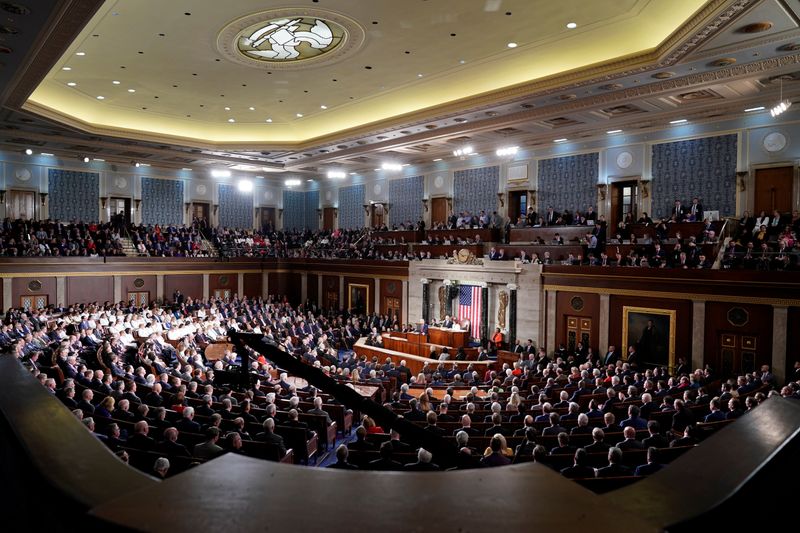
766,242
51,238
169,241
141,381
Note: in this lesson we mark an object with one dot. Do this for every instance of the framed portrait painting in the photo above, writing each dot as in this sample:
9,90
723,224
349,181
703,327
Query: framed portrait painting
358,298
652,332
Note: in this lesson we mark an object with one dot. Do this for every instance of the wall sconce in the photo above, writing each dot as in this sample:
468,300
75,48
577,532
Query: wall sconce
280,213
450,203
601,189
366,208
500,199
136,204
42,197
216,208
425,204
741,180
335,212
103,202
645,188
532,197
2,195
188,205
319,213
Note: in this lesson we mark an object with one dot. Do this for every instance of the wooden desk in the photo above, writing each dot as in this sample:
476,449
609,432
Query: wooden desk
423,349
414,362
448,337
217,350
446,250
547,233
486,234
397,235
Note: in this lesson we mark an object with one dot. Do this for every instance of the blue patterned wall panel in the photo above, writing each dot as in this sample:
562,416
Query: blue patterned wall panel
162,201
569,182
351,207
311,219
73,195
705,168
300,210
475,189
235,207
405,195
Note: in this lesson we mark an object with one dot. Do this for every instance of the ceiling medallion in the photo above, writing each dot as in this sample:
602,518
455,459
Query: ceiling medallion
663,75
290,38
723,62
611,86
755,27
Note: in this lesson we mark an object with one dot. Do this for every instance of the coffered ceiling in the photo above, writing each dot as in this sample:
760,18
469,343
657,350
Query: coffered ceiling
441,76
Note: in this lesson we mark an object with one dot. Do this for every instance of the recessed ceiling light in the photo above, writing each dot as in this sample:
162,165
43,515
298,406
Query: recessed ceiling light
66,68
245,185
72,84
47,154
220,173
131,90
251,108
512,45
116,82
437,159
28,151
227,108
231,120
80,54
751,109
419,75
98,160
679,121
559,140
461,61
611,132
571,25
292,182
299,115
323,107
85,159
269,120
508,150
187,169
310,180
101,97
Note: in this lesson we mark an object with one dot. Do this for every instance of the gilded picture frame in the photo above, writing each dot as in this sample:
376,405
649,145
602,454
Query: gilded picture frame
358,297
656,346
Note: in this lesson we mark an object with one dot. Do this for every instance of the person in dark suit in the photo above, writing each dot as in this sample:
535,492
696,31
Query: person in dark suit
269,436
140,439
579,469
294,422
496,458
716,414
385,461
634,420
525,450
85,405
652,465
341,463
615,467
630,442
598,444
611,356
208,449
497,427
679,211
432,418
656,439
170,445
423,463
563,447
695,211
187,423
361,442
554,428
466,426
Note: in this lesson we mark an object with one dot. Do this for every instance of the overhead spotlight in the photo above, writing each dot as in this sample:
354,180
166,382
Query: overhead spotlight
392,166
85,159
245,186
28,151
752,109
506,151
563,140
136,164
463,151
512,45
612,132
782,105
336,174
220,173
292,182
679,121
571,25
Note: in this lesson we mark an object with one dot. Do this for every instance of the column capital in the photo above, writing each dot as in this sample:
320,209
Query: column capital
512,286
424,281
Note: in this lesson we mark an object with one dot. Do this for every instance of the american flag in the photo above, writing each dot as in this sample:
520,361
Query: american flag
469,307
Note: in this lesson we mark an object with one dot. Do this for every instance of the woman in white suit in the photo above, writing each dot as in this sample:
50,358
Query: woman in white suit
762,220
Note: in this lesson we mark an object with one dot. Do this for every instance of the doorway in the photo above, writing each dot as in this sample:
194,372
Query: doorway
377,215
624,203
579,329
200,212
773,190
22,205
737,353
120,211
268,219
517,205
438,211
139,298
328,218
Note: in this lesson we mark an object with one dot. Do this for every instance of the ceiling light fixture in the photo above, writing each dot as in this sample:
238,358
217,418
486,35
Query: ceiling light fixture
116,82
28,151
463,151
353,173
85,159
292,182
571,25
220,173
145,164
269,120
751,109
136,164
560,140
98,160
508,150
299,115
336,174
419,75
612,132
679,121
245,186
80,54
323,107
392,166
46,154
231,120
187,169
437,159
101,97
66,68
131,90
512,45
227,108
71,84
782,105
251,108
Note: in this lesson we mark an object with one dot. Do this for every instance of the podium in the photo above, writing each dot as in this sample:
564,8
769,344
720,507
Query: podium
448,337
